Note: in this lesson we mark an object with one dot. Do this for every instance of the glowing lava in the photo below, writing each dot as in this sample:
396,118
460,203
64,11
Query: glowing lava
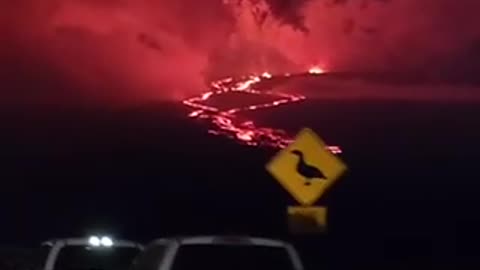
227,123
316,70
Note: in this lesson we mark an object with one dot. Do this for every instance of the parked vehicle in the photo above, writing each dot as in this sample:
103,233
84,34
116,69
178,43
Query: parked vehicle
94,253
218,253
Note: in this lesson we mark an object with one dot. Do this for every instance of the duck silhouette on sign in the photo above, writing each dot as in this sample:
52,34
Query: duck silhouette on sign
309,172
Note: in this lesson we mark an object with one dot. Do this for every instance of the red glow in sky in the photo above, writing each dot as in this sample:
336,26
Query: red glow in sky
142,50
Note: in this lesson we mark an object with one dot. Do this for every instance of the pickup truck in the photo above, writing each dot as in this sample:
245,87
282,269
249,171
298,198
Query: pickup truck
94,253
218,253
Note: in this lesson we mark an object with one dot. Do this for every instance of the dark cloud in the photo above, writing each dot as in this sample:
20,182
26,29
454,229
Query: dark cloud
289,12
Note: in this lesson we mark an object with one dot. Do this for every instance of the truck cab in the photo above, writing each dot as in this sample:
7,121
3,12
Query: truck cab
218,253
93,253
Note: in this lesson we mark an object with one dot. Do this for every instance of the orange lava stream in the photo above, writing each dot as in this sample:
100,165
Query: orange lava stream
227,123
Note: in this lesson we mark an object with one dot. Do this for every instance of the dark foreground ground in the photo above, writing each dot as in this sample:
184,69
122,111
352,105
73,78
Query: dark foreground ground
409,200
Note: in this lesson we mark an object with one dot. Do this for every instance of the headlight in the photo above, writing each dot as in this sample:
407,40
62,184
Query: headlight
106,241
94,241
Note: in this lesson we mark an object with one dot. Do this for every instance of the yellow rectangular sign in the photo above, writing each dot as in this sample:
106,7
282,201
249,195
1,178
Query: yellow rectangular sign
307,219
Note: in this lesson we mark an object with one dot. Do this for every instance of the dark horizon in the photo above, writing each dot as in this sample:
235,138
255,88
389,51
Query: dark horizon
120,171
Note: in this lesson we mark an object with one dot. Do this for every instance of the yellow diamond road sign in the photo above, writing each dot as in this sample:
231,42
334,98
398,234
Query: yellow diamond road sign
306,168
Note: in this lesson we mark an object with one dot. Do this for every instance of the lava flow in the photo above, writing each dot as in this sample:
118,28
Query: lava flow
227,122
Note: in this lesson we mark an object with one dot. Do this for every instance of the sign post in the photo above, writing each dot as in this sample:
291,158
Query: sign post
306,169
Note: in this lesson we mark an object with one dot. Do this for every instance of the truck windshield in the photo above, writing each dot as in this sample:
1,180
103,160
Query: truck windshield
232,257
88,258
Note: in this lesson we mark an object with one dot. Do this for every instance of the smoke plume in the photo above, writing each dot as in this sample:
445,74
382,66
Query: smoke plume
137,50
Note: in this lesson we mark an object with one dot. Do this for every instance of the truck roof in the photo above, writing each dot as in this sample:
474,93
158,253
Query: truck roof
228,239
85,241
